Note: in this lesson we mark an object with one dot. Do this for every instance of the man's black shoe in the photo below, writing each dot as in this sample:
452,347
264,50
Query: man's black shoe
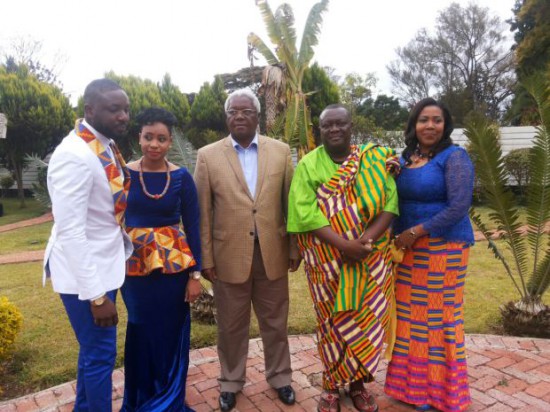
227,401
286,395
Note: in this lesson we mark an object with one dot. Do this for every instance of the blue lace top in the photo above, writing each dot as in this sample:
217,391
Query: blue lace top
179,202
438,195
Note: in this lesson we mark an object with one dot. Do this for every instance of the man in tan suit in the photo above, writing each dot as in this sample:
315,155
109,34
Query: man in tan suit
243,183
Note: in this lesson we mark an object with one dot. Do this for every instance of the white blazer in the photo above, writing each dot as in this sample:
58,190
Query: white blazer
87,250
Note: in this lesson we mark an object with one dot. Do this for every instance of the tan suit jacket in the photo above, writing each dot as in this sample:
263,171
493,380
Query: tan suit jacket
229,213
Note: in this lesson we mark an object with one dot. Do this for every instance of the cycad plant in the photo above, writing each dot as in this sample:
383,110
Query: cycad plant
529,265
284,75
40,187
182,152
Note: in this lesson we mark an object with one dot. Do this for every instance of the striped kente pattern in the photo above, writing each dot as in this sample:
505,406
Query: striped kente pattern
351,300
428,364
162,248
119,185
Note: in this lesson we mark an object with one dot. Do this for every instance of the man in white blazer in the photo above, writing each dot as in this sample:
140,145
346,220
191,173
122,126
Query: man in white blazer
87,250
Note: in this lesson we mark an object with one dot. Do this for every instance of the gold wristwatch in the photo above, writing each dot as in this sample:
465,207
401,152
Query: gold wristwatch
196,275
99,301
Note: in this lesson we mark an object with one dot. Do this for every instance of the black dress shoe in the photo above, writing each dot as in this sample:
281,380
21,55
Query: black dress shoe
227,401
286,395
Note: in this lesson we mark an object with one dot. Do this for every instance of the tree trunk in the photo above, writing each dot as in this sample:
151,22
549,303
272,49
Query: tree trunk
526,318
18,172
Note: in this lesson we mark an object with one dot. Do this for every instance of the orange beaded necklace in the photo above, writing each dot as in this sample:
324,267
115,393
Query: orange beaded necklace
142,181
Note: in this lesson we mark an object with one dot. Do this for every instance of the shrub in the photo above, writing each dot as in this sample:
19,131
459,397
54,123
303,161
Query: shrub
517,164
6,181
10,324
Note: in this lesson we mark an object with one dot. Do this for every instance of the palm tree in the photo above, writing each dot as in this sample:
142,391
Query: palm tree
529,266
282,80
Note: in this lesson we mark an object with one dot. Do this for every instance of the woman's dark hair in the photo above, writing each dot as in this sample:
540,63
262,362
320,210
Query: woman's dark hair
154,115
411,141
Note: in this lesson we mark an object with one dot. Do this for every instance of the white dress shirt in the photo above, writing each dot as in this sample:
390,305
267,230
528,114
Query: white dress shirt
249,162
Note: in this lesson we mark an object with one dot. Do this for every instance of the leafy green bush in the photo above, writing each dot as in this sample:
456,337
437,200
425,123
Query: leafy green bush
6,181
517,164
10,324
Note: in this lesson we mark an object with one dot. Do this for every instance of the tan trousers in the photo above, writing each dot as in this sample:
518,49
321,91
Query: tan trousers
233,303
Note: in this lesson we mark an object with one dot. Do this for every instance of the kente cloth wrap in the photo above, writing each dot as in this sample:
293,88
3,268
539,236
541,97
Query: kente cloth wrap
351,299
428,365
163,248
119,184
156,350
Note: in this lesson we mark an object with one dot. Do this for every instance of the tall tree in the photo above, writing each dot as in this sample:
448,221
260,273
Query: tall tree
531,27
175,101
355,89
250,77
38,113
465,58
292,62
385,111
207,114
29,52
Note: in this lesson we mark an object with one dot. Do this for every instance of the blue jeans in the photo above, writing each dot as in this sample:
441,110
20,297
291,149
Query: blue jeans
96,358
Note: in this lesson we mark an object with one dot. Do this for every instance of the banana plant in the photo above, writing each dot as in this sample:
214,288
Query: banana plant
529,264
287,89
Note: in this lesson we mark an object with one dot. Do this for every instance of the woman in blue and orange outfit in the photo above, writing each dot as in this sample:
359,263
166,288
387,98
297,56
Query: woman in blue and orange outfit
163,274
428,365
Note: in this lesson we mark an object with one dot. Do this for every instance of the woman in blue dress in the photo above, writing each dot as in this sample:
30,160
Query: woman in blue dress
163,274
428,365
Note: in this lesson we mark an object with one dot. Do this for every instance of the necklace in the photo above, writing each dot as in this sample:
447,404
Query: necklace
144,188
419,156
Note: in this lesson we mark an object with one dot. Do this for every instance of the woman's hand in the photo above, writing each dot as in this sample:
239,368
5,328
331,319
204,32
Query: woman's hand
193,290
406,239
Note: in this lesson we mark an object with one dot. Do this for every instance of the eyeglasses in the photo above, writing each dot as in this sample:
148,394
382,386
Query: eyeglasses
244,112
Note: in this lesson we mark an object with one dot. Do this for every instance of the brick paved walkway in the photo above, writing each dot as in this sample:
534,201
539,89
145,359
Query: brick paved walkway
506,374
47,217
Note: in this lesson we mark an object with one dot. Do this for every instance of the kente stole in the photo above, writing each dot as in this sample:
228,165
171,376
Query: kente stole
119,185
350,200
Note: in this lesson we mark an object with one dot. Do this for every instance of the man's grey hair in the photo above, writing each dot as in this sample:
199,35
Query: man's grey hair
246,92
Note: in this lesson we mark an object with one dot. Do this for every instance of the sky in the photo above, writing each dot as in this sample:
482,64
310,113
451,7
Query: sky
193,40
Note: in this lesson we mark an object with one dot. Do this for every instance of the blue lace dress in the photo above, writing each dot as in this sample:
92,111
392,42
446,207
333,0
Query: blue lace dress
428,364
158,332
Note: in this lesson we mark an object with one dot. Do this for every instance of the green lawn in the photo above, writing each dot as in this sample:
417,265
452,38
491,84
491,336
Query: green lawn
25,239
13,213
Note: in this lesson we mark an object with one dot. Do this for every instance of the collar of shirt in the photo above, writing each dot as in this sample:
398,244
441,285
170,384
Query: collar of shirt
238,147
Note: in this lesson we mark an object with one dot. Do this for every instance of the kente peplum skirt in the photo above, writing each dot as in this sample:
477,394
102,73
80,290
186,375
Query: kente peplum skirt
163,248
